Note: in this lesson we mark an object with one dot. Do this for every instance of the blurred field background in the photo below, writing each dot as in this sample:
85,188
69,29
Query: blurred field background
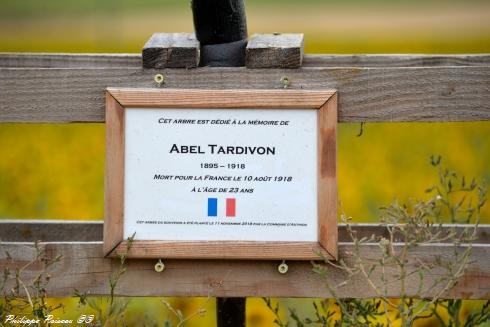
56,171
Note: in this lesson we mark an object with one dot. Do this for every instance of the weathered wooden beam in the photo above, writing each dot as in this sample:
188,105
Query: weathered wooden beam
50,230
69,60
83,267
171,50
274,51
57,230
365,94
88,60
385,60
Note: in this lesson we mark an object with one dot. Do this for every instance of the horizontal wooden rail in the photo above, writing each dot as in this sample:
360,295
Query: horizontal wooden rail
365,94
50,230
59,230
84,267
133,60
70,88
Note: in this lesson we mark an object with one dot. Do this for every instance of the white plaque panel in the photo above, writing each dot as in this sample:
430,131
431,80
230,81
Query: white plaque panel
221,174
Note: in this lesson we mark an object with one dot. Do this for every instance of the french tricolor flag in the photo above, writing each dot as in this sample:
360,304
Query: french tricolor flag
213,207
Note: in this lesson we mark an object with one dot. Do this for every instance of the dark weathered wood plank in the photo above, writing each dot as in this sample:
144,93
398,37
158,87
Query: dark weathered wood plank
50,230
365,94
70,60
133,60
31,230
274,51
385,60
83,267
172,50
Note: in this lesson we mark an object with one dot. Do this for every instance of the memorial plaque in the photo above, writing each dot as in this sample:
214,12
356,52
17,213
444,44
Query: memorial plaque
228,174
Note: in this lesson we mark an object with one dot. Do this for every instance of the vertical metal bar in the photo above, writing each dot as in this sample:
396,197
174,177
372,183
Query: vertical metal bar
230,312
221,28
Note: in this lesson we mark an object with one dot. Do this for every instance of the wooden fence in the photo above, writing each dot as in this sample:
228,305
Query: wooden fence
61,88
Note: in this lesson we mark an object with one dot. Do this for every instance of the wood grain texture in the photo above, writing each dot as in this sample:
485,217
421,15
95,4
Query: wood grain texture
83,267
178,98
402,60
114,175
58,230
31,230
365,94
222,250
274,51
327,176
173,50
69,60
133,60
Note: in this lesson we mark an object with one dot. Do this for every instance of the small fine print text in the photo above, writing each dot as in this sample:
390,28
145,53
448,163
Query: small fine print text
50,319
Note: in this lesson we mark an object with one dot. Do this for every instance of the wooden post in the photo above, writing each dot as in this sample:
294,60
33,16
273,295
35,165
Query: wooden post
221,28
275,51
172,50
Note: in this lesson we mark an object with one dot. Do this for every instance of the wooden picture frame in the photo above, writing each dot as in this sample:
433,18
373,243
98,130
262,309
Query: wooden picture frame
324,101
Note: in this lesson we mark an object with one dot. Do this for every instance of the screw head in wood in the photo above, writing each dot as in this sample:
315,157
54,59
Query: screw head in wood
159,266
159,79
286,82
282,268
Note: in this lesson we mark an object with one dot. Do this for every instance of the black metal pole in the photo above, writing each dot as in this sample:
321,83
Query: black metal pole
230,312
221,28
